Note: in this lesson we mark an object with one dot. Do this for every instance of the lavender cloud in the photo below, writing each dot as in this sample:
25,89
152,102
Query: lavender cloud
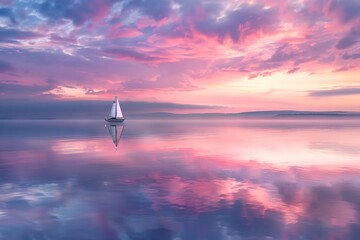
282,54
347,56
24,90
122,44
76,11
7,13
347,10
10,35
349,40
240,23
158,10
124,53
5,67
336,92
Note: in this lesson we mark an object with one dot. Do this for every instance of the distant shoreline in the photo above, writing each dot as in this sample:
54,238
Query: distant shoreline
256,115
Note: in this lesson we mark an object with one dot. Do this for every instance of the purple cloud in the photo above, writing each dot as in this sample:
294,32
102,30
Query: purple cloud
239,23
161,82
158,9
347,56
13,35
103,46
293,70
7,13
335,92
76,11
5,67
349,40
347,10
8,89
282,54
124,53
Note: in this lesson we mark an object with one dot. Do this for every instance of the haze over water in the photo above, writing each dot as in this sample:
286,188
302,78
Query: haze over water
189,179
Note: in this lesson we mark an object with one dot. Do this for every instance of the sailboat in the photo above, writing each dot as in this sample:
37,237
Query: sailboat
115,132
115,115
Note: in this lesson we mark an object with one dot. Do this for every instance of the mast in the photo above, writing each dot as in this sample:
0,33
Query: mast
116,102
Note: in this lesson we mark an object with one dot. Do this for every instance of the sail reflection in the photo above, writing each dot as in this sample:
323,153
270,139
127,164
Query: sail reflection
115,131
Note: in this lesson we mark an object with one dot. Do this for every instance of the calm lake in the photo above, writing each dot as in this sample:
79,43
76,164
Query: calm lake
180,180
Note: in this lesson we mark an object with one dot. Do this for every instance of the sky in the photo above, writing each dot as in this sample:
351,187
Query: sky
190,55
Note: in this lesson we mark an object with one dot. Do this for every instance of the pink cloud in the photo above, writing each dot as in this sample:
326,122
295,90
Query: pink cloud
123,32
189,45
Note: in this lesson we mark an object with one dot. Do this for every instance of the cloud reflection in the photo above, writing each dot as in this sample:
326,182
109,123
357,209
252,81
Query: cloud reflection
164,182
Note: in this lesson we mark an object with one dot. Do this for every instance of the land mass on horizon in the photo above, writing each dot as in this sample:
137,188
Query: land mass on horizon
271,114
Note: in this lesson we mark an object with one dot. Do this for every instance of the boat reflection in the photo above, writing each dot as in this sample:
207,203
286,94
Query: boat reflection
115,131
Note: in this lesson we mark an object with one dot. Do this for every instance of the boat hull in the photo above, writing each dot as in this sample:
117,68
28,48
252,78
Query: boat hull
115,120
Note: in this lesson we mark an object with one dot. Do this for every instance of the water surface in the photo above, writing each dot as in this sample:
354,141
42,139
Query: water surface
187,179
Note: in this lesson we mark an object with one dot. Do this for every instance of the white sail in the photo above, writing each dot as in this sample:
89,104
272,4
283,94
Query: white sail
119,113
112,113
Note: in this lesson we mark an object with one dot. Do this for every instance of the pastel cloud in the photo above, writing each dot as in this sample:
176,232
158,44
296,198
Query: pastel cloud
7,13
104,47
156,9
347,10
349,39
129,54
351,56
238,24
14,35
76,11
5,67
11,88
342,91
